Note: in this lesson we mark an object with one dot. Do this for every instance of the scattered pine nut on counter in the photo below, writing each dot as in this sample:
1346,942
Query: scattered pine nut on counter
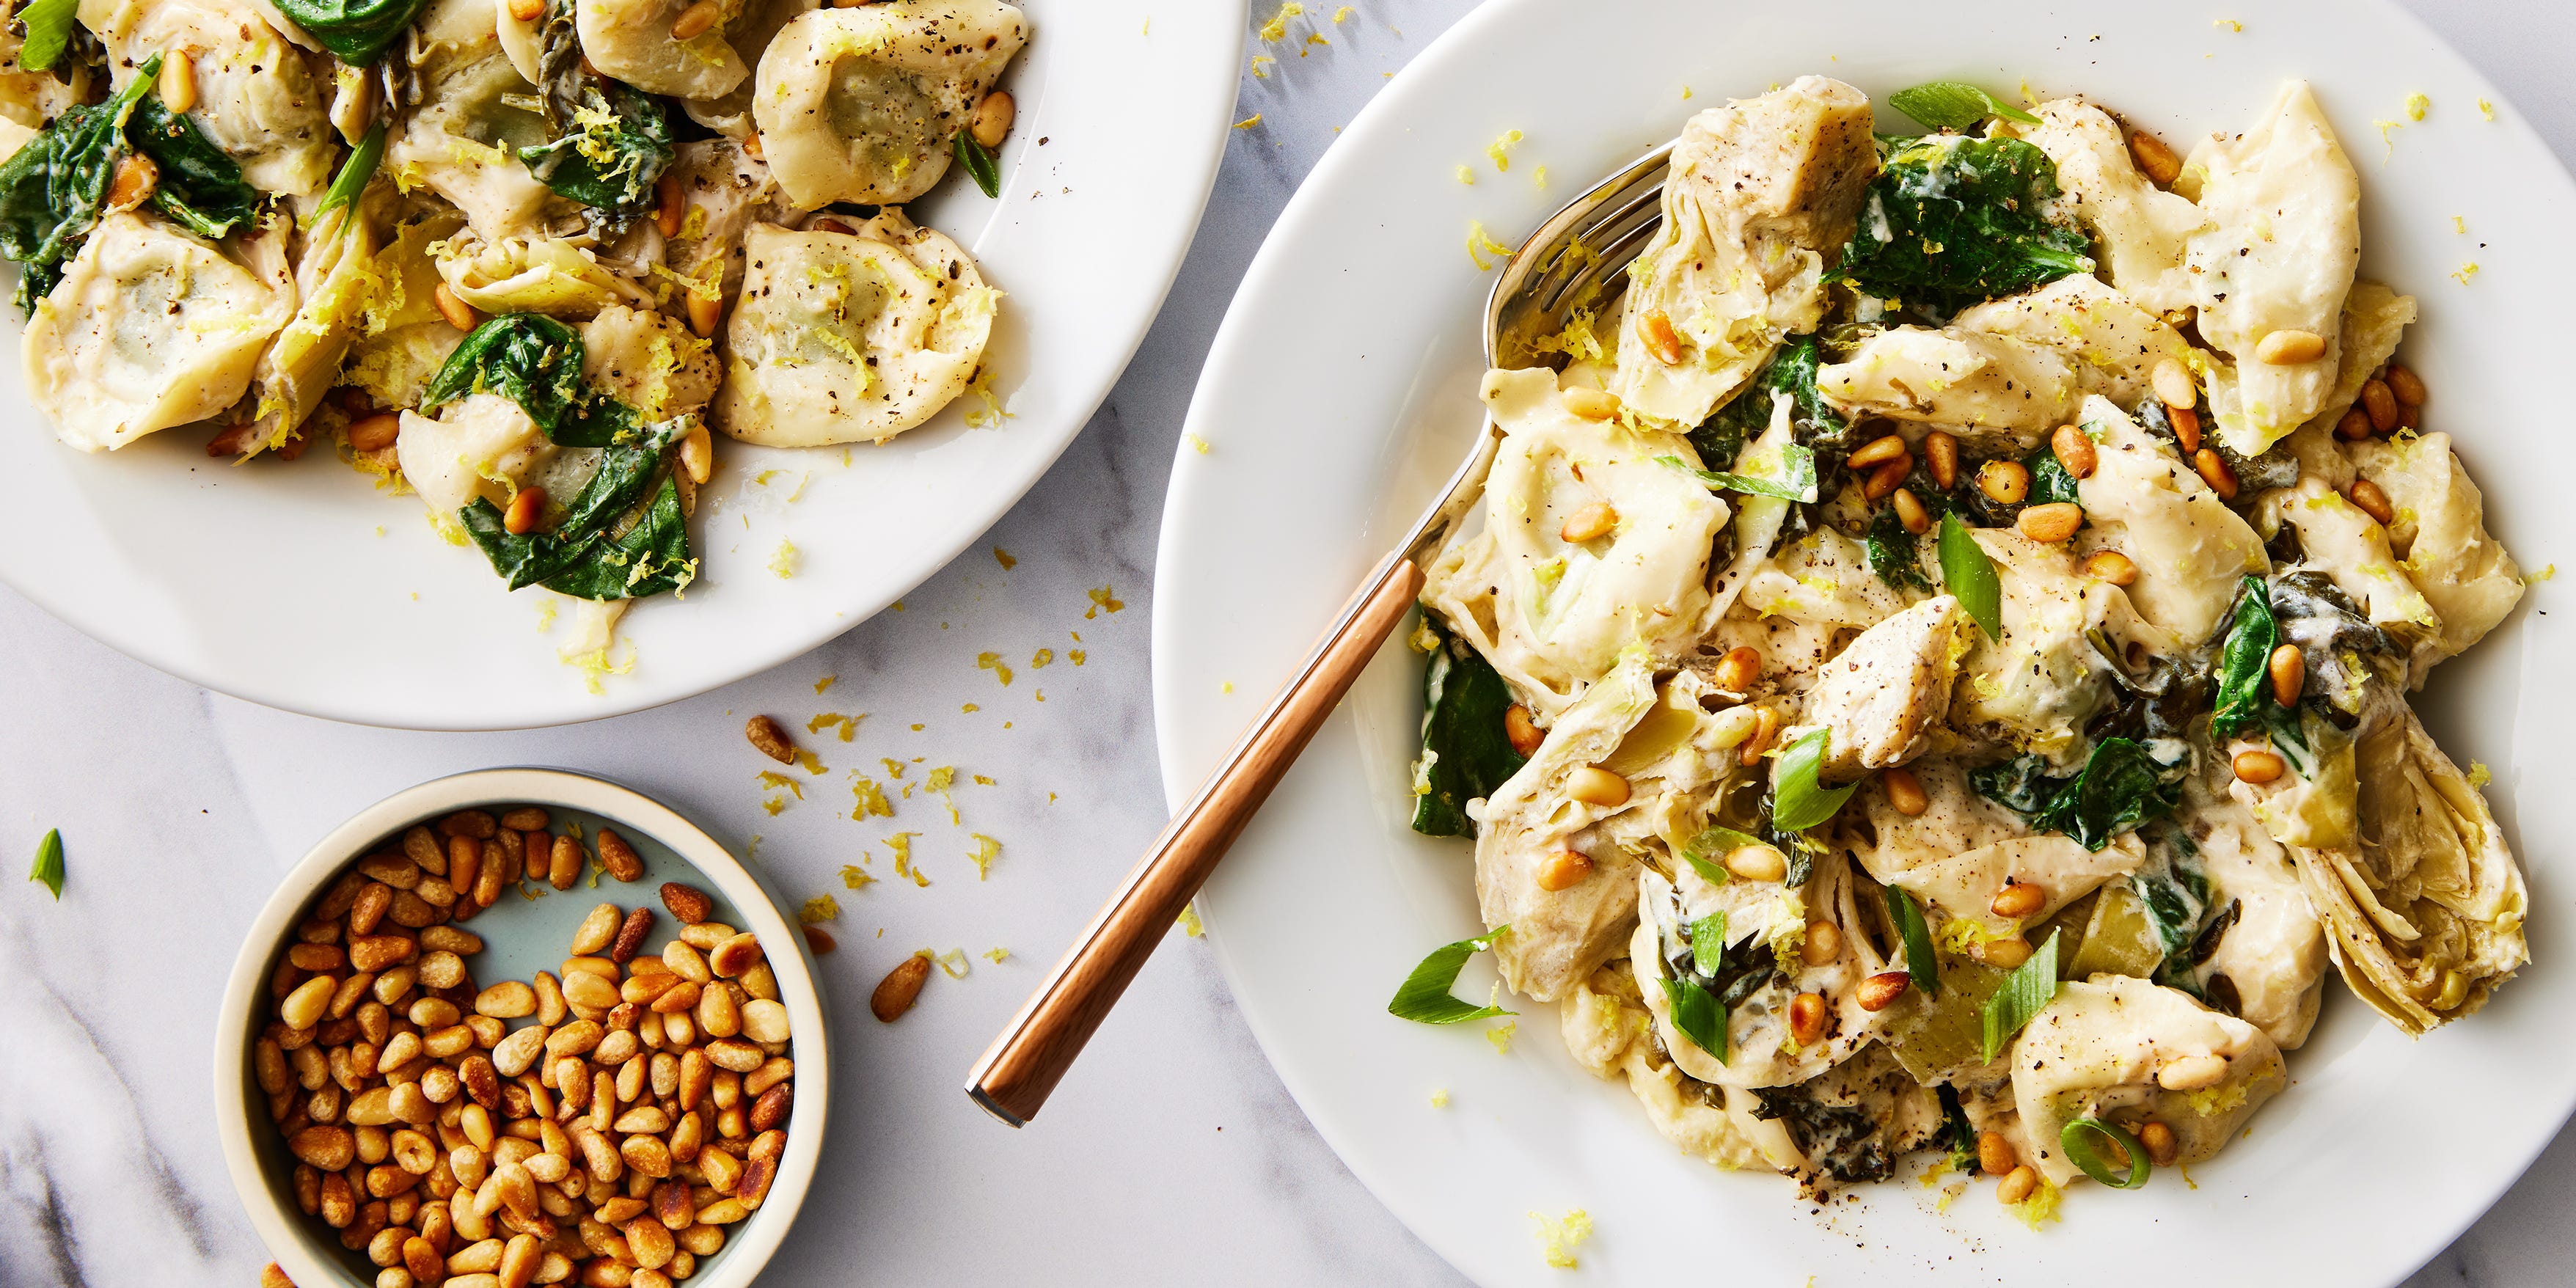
606,1125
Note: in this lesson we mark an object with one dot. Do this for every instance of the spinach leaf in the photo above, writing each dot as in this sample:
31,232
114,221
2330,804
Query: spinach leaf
1424,997
52,187
2176,898
624,476
617,143
2020,784
1949,222
2244,662
528,358
650,559
199,187
978,161
2049,481
49,32
1700,1017
356,31
1466,752
2119,787
1954,105
2343,650
1813,421
1894,553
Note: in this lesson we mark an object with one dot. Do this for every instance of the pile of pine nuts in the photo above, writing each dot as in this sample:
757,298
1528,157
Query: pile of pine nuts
610,1142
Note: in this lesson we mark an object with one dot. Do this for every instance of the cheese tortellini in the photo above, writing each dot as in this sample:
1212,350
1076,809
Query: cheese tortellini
256,98
861,104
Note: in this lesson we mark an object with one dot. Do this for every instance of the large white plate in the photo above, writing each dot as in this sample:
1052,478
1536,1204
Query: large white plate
1338,392
300,587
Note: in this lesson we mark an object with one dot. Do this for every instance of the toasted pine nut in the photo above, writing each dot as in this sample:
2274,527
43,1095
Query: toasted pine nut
2004,954
136,176
1883,481
1758,863
1591,523
698,453
2003,482
1941,457
687,904
1517,726
527,10
772,741
2155,160
896,993
2111,566
1881,990
630,935
2289,669
1823,945
704,311
1594,785
1590,404
2408,386
1656,329
178,88
1738,670
2074,451
2017,1185
2158,1140
1910,511
527,510
2372,500
1995,1156
2380,404
2186,423
1807,1019
2355,425
2050,523
595,931
2174,384
751,146
2192,1073
2289,348
1561,870
2409,417
1766,726
694,21
1904,792
458,313
2215,471
2019,899
2256,766
670,204
992,120
1878,451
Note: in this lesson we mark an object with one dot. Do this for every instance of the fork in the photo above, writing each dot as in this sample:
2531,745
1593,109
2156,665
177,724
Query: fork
1573,261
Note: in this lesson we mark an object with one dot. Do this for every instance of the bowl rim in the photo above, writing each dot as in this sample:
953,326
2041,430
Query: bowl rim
281,1228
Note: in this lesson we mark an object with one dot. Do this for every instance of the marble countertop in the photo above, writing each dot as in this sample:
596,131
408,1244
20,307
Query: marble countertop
180,808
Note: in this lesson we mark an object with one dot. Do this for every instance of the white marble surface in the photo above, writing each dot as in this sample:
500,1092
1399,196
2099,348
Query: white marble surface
1170,1155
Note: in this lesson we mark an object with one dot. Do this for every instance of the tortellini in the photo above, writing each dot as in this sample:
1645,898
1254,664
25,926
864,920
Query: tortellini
850,337
633,41
2191,551
475,111
754,26
2440,534
255,98
479,446
648,361
2118,1048
2143,232
861,104
532,275
149,328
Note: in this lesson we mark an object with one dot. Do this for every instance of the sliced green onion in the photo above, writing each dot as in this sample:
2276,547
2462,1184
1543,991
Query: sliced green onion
2025,993
1708,943
1425,997
49,863
354,172
1798,462
1698,1016
1715,840
2082,1140
49,32
1967,573
1954,105
979,162
1910,927
1798,801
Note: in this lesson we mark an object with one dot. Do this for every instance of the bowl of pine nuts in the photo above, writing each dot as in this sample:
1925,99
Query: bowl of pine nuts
522,1026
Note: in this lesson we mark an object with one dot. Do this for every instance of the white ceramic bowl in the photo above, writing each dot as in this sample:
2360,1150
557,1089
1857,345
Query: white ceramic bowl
522,936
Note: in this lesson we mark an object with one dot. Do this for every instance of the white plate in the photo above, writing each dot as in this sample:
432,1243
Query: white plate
298,586
1339,391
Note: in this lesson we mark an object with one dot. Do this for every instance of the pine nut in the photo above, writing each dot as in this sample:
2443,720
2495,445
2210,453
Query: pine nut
2373,501
2158,1140
894,995
2289,348
2409,417
1766,726
1823,945
698,453
735,955
2019,899
694,21
1878,451
1525,735
1563,870
2186,425
527,510
2215,471
2111,566
2192,1073
2289,669
458,313
705,310
2017,1185
1591,523
1995,1156
2174,385
1757,863
1941,457
527,10
1596,786
2256,766
1656,329
2003,482
2074,451
2051,523
670,205
1588,403
2380,404
2406,385
1883,481
764,1019
136,176
751,146
992,120
1904,792
595,932
772,741
1910,512
2155,160
2004,954
1880,991
2355,425
1807,1019
621,860
1738,670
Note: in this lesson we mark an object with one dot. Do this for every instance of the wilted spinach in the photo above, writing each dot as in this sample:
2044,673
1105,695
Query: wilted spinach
2338,641
2244,662
355,31
611,141
1813,422
1953,221
1467,752
51,189
198,187
580,556
650,558
2119,787
1895,554
528,358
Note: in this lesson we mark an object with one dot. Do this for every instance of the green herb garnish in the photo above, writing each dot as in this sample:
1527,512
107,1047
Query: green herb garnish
49,32
979,162
1954,105
1798,800
1698,1015
1467,752
1967,573
1917,936
355,171
1797,463
1425,997
2026,991
2083,1139
49,863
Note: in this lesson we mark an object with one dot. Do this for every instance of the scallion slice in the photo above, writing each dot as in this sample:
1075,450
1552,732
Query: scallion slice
1954,105
1797,467
1910,927
979,162
48,871
2082,1140
1798,800
1699,1016
1425,997
49,32
1967,573
1714,841
1708,943
354,172
2025,992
